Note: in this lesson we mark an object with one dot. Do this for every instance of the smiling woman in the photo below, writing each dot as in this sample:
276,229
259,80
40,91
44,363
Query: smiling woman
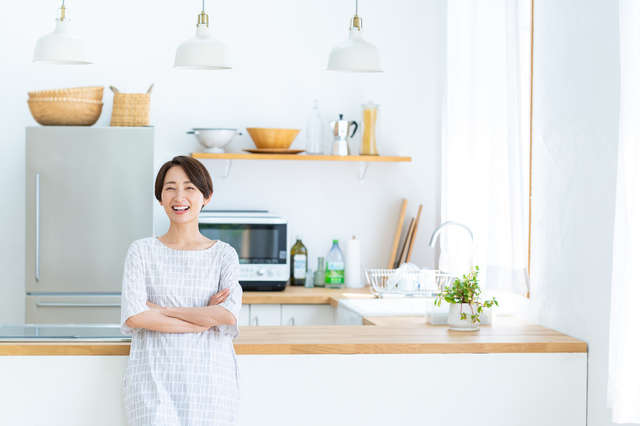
180,303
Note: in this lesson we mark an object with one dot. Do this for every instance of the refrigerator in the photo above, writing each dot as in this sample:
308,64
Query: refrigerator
89,194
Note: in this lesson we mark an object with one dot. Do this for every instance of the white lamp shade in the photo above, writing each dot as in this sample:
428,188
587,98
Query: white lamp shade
59,47
201,52
355,55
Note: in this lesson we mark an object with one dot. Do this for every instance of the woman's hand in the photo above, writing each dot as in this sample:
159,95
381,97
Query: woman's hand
219,297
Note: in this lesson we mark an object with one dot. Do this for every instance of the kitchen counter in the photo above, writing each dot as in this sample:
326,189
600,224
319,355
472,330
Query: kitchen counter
381,335
306,296
360,369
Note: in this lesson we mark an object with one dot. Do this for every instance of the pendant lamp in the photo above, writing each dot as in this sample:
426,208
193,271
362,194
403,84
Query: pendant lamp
202,51
355,54
59,47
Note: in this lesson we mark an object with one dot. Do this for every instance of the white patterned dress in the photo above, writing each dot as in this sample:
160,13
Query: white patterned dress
180,379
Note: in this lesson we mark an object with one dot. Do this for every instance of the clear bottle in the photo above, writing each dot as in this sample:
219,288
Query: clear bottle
318,275
299,263
316,131
334,272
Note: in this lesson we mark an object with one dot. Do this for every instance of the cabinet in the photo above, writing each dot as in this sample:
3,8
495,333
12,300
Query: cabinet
308,315
344,316
243,319
276,314
264,315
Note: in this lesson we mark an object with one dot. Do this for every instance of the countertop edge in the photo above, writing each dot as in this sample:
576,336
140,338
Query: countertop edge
122,348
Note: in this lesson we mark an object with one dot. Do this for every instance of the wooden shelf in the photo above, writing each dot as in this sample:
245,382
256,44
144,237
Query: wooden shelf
300,157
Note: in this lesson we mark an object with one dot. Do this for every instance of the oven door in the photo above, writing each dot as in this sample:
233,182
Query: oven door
256,243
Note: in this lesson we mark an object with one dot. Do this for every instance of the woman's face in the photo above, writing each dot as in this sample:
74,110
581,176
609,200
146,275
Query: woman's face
181,199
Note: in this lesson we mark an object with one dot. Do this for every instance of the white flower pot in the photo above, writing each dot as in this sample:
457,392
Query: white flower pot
454,321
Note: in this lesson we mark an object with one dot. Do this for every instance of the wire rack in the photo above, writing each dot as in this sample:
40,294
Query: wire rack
422,283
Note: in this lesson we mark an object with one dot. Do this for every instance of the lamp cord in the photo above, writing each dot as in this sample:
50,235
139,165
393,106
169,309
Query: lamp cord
202,5
356,7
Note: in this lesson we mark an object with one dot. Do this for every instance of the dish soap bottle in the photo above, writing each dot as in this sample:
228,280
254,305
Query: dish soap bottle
334,272
299,262
316,132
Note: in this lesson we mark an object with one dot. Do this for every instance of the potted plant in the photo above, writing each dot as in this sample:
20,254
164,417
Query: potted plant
464,301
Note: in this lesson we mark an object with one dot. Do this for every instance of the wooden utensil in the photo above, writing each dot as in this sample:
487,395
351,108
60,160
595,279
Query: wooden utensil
398,234
405,245
415,231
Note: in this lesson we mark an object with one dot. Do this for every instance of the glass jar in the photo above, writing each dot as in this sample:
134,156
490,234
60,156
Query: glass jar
369,122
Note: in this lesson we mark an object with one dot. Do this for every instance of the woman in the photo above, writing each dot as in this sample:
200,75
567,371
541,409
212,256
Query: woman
180,303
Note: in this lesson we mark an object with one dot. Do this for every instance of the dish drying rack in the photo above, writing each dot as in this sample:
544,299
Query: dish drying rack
420,283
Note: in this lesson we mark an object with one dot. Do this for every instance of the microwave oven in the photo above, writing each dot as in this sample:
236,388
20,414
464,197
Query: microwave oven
260,240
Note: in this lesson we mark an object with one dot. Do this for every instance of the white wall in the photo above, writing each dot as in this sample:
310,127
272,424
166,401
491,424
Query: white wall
278,52
575,140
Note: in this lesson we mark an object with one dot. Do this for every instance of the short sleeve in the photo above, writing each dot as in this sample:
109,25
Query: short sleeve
134,293
229,279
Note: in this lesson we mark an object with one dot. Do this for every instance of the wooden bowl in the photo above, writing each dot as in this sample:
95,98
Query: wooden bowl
65,111
265,138
88,92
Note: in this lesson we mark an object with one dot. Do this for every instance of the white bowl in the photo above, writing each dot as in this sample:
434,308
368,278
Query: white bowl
214,139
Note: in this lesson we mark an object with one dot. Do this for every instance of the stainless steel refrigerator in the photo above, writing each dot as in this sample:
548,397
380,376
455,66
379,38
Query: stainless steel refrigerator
89,194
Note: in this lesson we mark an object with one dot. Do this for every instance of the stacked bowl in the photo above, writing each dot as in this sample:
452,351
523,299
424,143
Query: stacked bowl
77,106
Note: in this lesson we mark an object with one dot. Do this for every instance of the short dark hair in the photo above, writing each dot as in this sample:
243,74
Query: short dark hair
197,172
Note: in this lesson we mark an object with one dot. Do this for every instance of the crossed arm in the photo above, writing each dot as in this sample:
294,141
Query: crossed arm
184,320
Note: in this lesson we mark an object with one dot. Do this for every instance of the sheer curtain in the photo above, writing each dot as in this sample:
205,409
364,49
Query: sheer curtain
485,147
624,332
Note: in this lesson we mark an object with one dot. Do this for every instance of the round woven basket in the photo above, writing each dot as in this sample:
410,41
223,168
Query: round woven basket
65,111
88,92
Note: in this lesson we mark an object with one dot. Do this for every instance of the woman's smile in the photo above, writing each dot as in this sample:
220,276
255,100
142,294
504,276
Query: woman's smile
180,209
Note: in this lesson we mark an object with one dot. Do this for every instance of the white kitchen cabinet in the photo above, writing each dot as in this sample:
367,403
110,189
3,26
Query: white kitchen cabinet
308,315
524,389
245,315
345,316
265,315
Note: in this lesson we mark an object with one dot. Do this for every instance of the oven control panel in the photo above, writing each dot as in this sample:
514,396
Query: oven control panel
258,272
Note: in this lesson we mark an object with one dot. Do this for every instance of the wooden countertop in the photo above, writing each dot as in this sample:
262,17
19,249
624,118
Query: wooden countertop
306,296
389,335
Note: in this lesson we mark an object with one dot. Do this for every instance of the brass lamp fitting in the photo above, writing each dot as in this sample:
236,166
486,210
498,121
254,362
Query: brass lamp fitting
356,23
203,19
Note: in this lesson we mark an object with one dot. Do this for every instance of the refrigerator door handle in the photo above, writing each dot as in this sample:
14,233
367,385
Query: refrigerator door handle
37,272
76,305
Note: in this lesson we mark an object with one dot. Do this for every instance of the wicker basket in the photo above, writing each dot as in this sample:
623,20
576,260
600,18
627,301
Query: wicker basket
130,109
88,92
65,111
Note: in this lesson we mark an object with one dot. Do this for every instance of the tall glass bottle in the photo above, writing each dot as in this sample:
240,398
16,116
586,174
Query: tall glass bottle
316,131
334,272
299,262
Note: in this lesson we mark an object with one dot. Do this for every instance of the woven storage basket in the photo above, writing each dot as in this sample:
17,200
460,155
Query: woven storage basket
88,92
130,109
65,111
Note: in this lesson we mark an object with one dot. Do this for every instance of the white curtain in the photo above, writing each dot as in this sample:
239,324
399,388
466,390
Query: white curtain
485,146
624,328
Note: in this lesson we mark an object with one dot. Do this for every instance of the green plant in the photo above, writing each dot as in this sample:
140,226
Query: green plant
466,290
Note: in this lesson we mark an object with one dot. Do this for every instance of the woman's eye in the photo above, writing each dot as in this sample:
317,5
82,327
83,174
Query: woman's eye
191,187
169,188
